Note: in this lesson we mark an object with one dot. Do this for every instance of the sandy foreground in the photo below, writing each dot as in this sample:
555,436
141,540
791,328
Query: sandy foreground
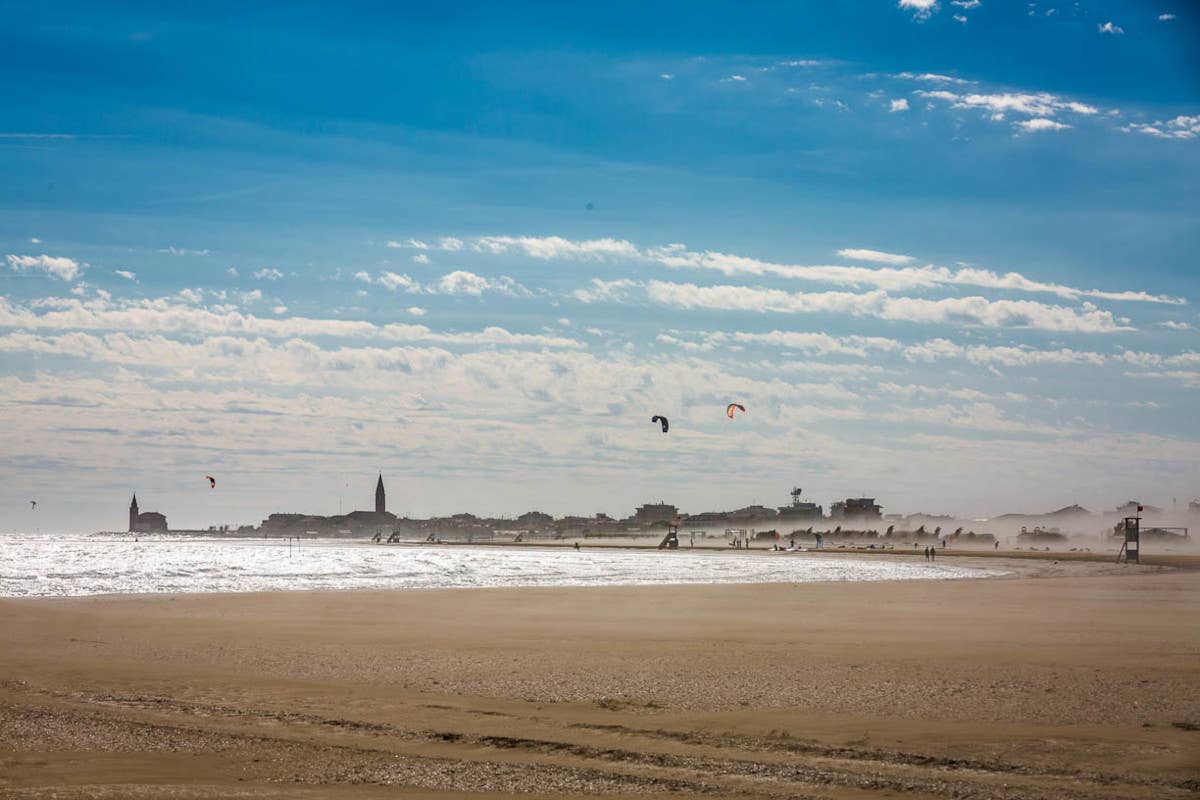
1066,680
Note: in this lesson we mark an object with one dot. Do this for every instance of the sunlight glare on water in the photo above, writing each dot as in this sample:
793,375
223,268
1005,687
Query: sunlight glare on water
45,566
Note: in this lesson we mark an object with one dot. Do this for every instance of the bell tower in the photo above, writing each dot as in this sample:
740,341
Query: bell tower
133,514
380,496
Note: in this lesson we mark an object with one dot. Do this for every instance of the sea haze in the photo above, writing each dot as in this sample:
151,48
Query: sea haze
45,566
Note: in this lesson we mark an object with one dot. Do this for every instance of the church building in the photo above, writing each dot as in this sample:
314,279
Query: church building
146,521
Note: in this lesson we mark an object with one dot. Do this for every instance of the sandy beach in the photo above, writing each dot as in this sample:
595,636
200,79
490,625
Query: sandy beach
1067,679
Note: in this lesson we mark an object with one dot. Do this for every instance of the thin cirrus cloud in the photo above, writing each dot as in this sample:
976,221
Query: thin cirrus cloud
894,277
67,269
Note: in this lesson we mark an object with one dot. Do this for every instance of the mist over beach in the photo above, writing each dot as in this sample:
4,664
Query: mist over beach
774,400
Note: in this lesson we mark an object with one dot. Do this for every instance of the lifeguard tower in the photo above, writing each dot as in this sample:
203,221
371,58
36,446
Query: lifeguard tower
1130,548
671,540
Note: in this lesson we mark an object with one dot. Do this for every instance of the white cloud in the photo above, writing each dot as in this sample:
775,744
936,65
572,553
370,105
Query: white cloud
1040,104
937,349
1189,378
232,271
252,296
550,247
268,274
1181,127
459,282
677,256
395,282
899,105
448,243
964,311
817,343
1176,326
66,269
921,9
736,78
392,281
279,310
960,18
126,274
823,344
420,258
601,291
878,256
1040,124
1165,17
967,4
416,311
468,283
182,251
931,77
169,316
1108,27
34,240
666,76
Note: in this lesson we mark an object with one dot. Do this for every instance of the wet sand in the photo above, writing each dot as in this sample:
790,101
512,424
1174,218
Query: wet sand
1065,680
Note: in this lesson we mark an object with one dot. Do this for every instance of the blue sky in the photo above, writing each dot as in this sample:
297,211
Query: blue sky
944,253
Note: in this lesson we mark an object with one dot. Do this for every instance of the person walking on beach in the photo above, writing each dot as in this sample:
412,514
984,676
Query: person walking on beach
933,554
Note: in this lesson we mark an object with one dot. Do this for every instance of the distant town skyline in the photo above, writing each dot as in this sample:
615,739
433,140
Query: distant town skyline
944,255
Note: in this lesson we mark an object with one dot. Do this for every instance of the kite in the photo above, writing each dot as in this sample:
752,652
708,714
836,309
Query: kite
729,409
212,482
33,505
665,425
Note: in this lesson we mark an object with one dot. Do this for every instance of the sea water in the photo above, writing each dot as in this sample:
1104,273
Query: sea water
53,566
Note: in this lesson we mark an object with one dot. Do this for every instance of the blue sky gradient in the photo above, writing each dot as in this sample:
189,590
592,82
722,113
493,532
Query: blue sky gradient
944,252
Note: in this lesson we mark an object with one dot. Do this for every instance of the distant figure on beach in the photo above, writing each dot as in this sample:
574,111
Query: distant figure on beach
926,553
577,545
997,544
932,553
